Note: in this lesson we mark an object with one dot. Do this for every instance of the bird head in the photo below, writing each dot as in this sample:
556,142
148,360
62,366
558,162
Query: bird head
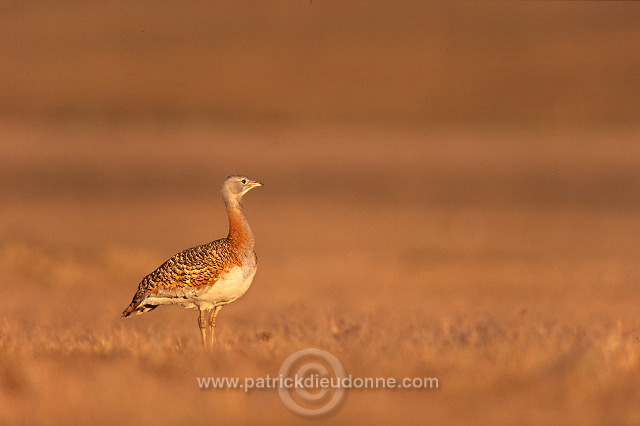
238,185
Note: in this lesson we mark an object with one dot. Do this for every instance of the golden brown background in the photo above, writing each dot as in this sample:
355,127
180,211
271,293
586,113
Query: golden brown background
451,190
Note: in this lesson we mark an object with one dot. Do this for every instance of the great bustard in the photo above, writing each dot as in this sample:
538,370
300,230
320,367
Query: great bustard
208,276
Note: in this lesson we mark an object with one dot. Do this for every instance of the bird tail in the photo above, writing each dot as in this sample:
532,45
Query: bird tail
130,309
137,308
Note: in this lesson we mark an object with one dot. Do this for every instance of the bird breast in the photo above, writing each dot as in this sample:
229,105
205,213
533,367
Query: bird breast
231,284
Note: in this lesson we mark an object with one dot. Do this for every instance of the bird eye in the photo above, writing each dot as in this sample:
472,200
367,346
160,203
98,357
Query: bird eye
243,181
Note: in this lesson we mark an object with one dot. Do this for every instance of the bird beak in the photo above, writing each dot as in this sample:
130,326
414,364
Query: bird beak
255,183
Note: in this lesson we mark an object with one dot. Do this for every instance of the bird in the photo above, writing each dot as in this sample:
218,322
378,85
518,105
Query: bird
208,276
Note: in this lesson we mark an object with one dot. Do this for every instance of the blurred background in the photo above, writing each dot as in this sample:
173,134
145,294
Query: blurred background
421,161
413,102
529,64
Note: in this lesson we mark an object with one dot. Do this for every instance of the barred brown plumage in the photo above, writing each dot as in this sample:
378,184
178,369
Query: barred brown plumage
207,276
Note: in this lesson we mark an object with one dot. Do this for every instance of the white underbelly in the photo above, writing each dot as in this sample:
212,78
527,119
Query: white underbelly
229,287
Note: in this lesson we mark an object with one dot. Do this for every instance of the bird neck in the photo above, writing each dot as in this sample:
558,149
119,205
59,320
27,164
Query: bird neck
240,234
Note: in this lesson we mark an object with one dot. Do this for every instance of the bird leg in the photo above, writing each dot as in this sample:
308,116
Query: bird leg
202,322
212,324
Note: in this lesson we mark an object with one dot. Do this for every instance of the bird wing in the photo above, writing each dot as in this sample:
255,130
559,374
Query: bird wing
185,275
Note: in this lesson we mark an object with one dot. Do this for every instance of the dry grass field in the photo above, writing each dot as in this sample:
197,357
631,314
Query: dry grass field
451,190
